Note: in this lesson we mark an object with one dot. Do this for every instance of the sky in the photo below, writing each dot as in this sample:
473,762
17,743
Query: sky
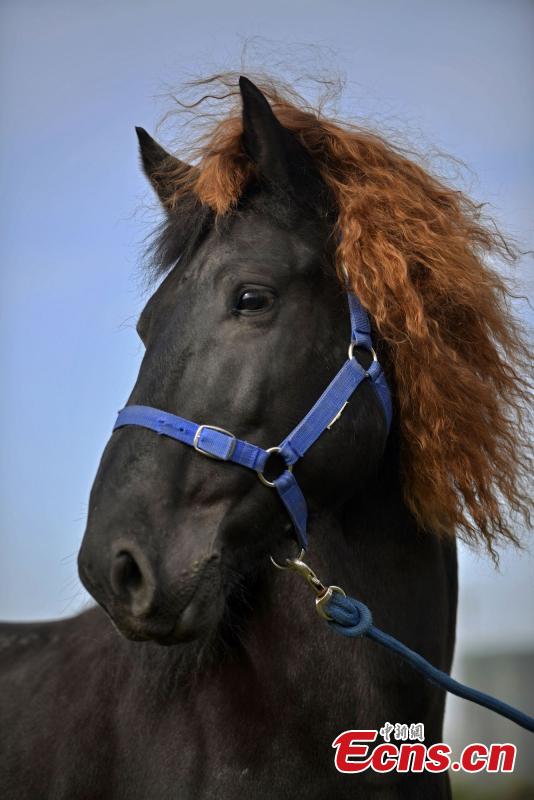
75,78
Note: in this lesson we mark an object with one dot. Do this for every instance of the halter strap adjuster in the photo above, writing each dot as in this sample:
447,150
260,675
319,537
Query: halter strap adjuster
214,446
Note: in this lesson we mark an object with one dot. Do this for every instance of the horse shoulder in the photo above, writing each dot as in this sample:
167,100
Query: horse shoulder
54,684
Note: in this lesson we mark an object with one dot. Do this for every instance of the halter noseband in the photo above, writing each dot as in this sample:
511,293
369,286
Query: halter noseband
222,445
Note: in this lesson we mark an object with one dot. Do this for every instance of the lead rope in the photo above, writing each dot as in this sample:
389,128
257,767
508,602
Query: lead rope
352,618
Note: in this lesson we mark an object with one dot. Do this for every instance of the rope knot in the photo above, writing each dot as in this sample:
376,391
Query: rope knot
349,616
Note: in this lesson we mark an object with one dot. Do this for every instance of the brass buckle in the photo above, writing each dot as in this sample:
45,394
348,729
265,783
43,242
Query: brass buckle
321,601
323,594
206,453
289,561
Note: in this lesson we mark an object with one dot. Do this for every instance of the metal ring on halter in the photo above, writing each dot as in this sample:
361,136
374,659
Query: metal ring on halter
261,476
352,345
280,566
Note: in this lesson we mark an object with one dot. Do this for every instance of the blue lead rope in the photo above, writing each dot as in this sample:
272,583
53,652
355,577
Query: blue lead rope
351,618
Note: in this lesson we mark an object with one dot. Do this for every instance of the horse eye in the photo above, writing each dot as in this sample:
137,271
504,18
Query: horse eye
254,300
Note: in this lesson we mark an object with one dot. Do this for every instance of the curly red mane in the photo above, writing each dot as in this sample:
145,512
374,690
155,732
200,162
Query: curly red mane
416,253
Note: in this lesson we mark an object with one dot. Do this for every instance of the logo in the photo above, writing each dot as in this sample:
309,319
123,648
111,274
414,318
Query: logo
409,753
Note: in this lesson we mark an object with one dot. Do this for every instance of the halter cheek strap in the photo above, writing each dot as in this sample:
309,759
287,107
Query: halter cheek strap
222,445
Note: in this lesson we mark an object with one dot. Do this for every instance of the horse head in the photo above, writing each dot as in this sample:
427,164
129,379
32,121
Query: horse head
244,333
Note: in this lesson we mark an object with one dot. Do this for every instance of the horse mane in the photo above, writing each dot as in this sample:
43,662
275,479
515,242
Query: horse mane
416,253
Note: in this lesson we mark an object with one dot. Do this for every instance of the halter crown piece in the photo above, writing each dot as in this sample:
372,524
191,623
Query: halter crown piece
214,442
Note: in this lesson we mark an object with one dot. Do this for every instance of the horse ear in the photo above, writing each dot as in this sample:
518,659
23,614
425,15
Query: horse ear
280,158
161,168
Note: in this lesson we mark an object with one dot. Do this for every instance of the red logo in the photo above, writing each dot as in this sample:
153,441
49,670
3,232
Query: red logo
354,753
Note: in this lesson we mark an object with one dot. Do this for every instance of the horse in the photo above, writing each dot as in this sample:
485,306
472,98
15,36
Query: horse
203,672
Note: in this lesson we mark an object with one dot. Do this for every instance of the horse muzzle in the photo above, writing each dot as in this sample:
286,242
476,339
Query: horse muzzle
147,606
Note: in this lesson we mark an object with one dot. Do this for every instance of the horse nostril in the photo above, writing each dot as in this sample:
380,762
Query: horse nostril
132,580
125,574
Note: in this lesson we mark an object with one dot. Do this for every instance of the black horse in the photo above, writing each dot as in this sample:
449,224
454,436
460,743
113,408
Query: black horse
244,333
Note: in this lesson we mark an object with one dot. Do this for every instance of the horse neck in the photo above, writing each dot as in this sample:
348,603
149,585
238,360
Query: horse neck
373,549
353,547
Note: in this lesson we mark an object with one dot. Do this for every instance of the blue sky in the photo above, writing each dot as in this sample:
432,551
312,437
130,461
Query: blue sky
75,78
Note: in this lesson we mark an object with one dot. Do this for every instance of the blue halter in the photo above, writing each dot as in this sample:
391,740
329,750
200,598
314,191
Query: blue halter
345,614
222,445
